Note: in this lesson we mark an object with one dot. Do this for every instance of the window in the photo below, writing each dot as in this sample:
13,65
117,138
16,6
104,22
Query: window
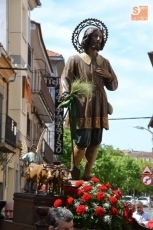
1,191
28,127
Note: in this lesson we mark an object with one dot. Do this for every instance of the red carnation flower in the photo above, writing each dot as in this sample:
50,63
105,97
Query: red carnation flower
86,197
113,200
80,210
100,196
95,179
117,193
79,192
87,188
79,183
114,211
69,200
57,203
126,206
99,211
125,215
102,188
130,212
108,185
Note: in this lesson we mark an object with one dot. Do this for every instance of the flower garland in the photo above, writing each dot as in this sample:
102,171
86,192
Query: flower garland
96,206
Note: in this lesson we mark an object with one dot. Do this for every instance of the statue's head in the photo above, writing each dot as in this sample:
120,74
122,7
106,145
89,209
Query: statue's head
92,25
86,40
33,147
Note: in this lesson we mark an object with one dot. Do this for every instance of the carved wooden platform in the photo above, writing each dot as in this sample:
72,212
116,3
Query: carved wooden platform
25,215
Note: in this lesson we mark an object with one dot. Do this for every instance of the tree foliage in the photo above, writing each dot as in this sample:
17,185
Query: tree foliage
112,166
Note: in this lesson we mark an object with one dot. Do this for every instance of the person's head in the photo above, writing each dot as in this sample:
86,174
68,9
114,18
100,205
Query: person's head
9,210
93,37
139,206
60,219
33,148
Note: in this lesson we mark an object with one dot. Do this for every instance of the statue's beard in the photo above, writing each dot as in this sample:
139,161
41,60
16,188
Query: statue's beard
95,45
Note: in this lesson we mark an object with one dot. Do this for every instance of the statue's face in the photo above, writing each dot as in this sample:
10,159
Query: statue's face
33,149
96,40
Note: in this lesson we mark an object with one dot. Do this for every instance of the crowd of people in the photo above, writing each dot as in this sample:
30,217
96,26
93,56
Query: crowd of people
58,218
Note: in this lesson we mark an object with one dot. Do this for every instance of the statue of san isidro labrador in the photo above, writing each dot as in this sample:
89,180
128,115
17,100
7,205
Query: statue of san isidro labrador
91,115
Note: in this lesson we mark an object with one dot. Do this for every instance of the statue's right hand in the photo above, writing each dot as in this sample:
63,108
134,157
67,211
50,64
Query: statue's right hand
64,96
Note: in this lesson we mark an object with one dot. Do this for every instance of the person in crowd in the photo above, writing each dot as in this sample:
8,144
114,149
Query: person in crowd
59,218
140,215
92,115
8,212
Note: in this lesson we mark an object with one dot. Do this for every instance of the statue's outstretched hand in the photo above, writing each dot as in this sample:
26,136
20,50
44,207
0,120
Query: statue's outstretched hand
65,96
103,73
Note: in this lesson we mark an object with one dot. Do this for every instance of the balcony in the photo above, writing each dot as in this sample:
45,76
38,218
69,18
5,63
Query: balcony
29,55
48,153
7,134
41,98
46,150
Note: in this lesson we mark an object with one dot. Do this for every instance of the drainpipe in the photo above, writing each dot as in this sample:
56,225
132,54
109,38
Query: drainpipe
5,178
8,26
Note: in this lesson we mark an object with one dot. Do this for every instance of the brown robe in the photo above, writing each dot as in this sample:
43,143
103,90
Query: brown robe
91,113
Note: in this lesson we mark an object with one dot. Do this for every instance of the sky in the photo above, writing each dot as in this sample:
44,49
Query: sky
127,47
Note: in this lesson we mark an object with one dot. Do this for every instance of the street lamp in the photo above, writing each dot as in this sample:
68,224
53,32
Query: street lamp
140,127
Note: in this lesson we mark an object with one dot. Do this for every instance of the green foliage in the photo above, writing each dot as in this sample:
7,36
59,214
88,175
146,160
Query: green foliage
112,166
66,157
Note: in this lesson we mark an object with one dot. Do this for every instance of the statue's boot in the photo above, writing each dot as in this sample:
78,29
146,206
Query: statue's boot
78,156
91,154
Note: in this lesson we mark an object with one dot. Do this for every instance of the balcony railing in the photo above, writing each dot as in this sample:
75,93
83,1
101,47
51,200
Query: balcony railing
29,56
42,98
48,153
7,133
46,149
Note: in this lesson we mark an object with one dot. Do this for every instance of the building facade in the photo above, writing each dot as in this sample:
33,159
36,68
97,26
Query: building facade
26,104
